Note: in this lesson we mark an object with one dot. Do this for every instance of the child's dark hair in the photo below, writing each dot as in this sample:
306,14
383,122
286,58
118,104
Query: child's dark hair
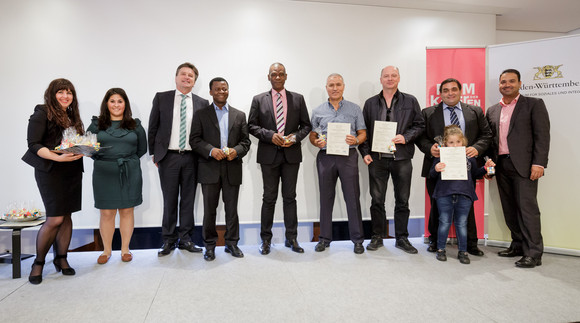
453,130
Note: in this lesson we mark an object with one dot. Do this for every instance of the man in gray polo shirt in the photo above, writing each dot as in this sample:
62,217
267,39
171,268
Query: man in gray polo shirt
332,167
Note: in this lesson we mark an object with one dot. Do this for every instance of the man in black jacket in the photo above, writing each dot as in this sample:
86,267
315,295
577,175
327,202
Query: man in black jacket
402,108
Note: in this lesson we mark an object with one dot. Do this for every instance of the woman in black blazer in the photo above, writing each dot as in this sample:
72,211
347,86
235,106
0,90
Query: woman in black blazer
59,177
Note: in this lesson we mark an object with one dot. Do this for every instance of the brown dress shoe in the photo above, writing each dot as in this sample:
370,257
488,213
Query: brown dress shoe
127,257
103,259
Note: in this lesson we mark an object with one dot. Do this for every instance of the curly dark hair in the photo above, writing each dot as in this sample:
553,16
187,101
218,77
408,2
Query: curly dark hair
64,118
105,116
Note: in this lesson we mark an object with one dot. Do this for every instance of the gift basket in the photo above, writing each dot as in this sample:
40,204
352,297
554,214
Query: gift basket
73,143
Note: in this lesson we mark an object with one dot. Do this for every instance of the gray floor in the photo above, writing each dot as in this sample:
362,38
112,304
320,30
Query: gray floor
333,286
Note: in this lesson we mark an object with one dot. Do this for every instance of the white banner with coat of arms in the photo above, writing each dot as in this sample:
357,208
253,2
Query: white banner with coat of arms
550,69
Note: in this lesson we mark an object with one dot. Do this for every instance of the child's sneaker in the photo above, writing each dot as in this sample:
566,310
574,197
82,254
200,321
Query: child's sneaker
441,255
463,257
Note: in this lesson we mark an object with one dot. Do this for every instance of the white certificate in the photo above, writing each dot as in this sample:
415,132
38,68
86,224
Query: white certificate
383,134
455,163
336,138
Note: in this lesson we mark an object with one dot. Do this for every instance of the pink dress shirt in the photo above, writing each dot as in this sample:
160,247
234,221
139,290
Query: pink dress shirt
284,103
507,110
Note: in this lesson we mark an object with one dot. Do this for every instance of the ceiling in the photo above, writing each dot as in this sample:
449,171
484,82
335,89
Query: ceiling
559,16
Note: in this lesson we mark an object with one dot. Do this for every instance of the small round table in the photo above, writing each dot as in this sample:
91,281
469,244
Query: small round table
16,256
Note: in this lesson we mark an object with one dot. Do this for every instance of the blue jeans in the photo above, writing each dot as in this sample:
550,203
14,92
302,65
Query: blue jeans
455,206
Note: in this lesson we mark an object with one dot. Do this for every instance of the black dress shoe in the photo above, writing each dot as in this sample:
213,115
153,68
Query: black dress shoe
358,248
58,262
209,255
475,251
165,249
265,247
511,252
37,279
405,245
234,250
528,262
321,246
432,247
293,244
376,243
189,246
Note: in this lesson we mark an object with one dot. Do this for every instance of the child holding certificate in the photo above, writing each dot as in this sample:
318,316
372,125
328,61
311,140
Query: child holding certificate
455,197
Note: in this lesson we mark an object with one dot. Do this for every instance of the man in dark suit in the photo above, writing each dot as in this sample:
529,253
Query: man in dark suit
395,106
520,146
279,119
219,135
472,122
169,126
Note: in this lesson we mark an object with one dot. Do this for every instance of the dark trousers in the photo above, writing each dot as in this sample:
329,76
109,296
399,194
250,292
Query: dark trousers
379,172
177,174
211,195
272,174
330,168
433,225
520,208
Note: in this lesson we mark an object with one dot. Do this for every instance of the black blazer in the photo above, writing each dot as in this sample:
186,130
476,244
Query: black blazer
409,119
161,120
528,136
477,132
262,125
43,133
205,135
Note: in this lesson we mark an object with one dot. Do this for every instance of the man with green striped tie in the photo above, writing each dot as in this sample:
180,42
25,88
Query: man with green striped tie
169,128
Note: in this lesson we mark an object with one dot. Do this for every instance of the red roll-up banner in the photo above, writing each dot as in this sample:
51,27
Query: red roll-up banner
468,66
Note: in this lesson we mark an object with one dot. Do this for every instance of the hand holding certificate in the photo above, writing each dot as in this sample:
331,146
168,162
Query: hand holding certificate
336,138
455,163
383,134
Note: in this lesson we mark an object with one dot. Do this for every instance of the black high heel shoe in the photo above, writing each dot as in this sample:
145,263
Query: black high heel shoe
35,280
65,271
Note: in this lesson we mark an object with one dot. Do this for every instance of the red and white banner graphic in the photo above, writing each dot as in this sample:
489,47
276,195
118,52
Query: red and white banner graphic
467,65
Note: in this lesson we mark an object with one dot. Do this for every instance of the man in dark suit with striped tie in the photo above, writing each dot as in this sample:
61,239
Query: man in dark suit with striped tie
169,127
279,119
474,125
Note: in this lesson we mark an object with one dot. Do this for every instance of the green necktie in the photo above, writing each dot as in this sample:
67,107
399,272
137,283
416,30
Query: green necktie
183,123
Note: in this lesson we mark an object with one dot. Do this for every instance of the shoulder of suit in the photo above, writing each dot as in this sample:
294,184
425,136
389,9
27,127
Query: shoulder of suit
263,94
40,108
493,107
294,94
469,106
170,92
232,109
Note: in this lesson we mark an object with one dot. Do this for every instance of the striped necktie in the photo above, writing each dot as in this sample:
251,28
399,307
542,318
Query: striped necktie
279,114
453,117
183,122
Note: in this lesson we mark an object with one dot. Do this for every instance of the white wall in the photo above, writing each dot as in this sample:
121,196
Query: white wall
512,36
138,44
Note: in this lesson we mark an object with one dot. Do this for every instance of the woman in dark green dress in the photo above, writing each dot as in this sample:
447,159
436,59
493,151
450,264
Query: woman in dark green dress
117,181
